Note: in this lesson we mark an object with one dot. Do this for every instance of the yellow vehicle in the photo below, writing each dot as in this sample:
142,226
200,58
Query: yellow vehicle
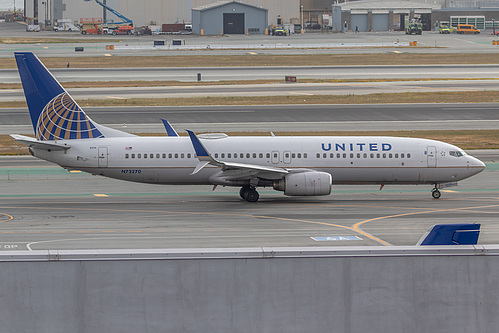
467,29
444,29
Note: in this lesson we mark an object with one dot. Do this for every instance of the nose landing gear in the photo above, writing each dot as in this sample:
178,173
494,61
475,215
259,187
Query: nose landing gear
435,193
249,194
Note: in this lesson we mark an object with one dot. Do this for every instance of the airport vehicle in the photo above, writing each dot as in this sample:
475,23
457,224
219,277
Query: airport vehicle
123,30
91,25
296,165
414,28
33,28
279,31
444,29
66,25
111,28
467,29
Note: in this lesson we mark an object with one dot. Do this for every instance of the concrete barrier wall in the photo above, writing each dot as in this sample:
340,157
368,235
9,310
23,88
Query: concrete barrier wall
369,289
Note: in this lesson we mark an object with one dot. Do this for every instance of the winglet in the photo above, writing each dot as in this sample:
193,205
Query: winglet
169,128
201,151
451,234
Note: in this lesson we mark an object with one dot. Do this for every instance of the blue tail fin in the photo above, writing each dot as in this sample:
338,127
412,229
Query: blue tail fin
54,113
451,234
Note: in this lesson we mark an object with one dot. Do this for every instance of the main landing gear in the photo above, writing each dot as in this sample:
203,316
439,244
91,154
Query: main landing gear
435,193
249,194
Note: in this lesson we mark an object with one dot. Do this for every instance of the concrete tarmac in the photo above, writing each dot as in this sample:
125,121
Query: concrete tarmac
46,207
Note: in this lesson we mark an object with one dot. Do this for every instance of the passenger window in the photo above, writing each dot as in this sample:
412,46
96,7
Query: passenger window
254,155
299,155
351,155
384,155
126,155
229,155
275,155
365,155
182,155
358,155
372,155
396,155
324,155
260,155
338,155
304,155
133,155
216,155
390,155
170,155
408,155
157,155
331,155
145,155
344,155
188,155
318,155
378,155
247,155
151,156
164,155
139,155
176,155
268,155
402,155
222,155
241,155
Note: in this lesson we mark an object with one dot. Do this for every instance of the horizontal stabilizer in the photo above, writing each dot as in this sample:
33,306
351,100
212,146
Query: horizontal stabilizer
32,142
451,234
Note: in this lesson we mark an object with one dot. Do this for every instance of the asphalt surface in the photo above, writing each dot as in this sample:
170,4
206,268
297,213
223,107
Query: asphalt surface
266,73
45,207
382,117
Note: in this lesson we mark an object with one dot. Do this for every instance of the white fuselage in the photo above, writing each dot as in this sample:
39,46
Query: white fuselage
350,160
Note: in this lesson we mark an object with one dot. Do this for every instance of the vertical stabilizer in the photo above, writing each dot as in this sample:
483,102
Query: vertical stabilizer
54,113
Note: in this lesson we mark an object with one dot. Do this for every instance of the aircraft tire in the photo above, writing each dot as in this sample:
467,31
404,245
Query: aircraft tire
252,195
436,194
243,192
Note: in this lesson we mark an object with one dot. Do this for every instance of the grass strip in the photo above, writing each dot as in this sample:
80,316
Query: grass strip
465,139
168,59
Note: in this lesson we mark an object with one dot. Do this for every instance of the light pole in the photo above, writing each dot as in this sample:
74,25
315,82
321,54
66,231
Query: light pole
494,26
302,27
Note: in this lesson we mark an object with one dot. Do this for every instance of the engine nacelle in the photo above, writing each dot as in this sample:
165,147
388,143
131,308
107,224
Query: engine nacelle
305,183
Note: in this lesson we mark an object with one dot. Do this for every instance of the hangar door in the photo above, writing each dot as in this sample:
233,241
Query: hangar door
359,21
233,23
380,22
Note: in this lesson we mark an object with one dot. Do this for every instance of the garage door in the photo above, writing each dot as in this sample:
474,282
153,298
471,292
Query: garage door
380,22
233,23
359,21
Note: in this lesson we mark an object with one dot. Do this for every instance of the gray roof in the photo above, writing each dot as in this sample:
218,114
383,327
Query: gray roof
376,5
225,3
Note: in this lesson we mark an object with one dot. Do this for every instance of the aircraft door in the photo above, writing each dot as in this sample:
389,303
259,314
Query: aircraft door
431,154
286,157
102,157
275,157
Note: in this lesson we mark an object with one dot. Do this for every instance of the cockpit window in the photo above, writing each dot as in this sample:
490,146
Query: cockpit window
456,153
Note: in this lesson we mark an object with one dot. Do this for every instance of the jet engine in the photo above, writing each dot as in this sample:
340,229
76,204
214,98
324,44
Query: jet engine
305,183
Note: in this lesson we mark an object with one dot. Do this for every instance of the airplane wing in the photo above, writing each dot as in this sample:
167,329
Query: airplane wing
32,142
233,170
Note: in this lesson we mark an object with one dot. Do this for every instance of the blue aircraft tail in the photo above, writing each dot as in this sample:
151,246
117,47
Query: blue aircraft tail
451,234
54,113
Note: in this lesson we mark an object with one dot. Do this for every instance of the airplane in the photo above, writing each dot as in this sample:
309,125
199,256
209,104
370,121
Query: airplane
295,165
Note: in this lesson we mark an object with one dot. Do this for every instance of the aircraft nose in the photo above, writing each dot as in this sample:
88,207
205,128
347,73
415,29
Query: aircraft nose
478,165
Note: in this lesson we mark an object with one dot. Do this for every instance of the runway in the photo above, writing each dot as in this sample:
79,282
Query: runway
250,118
277,89
46,207
189,74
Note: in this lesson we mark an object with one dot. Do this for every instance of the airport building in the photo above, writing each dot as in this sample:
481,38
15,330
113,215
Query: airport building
152,12
229,18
